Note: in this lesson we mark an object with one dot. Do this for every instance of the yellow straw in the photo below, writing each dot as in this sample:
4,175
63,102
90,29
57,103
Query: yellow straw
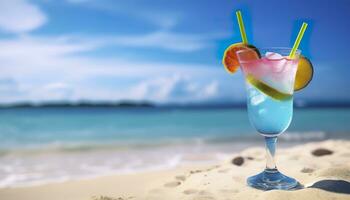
241,27
297,41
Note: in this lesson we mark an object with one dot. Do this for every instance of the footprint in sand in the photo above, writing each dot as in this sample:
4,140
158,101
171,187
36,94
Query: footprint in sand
249,158
190,191
180,178
172,184
156,191
211,168
204,170
228,191
204,195
111,198
195,171
297,157
207,183
224,170
307,170
345,155
204,198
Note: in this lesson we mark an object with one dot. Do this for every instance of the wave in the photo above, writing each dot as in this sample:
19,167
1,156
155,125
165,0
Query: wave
24,170
125,145
303,136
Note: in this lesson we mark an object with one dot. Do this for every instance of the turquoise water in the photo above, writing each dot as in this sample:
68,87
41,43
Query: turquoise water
269,116
40,145
30,127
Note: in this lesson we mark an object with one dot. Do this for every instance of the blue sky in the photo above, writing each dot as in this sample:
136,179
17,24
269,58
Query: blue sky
161,51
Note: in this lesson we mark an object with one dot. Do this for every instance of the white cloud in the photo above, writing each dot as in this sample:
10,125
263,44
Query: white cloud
211,90
53,91
141,11
176,89
27,47
56,86
166,40
28,56
18,16
52,68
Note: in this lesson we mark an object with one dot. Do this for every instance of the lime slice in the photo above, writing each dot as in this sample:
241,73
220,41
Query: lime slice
268,90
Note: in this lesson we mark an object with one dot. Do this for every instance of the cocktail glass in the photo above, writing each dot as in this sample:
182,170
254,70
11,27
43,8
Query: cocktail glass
270,77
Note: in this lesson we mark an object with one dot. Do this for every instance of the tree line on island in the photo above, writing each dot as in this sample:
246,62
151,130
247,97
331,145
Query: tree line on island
147,104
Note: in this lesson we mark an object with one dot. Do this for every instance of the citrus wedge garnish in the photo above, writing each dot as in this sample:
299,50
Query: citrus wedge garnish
304,74
266,89
230,60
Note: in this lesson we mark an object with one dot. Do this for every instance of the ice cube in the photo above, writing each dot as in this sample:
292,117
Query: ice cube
257,99
279,66
252,92
273,56
278,62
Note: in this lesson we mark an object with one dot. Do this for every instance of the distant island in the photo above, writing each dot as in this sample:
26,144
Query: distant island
122,104
146,104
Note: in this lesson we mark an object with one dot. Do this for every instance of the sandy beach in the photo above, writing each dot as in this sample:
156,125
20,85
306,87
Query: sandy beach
322,168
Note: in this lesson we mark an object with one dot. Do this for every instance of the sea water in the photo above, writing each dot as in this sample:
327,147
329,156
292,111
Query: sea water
269,116
40,145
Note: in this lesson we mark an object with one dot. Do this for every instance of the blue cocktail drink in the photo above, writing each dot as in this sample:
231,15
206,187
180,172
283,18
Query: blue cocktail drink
268,116
272,75
270,86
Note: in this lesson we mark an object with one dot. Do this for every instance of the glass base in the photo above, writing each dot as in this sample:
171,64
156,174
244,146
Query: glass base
271,180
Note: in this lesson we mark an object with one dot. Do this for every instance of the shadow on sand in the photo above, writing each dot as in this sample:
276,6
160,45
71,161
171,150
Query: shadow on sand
338,186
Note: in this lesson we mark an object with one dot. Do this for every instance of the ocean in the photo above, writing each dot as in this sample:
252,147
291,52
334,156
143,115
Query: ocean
40,145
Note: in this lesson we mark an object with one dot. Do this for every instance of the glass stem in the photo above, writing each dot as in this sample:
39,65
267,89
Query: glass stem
270,153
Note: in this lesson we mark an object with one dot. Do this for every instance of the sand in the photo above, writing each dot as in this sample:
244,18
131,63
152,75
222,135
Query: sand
321,177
